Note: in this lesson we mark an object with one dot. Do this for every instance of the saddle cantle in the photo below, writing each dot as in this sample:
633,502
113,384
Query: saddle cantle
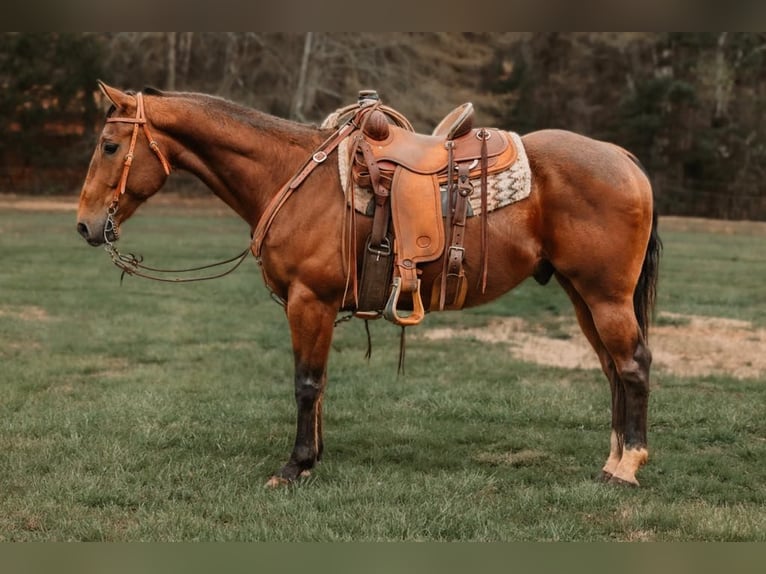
406,171
456,123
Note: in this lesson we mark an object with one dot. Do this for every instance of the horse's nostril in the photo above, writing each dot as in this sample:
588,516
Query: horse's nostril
82,229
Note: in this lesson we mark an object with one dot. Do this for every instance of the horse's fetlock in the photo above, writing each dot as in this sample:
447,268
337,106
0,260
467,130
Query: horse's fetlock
305,457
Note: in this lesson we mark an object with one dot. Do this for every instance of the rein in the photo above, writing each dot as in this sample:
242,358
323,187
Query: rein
131,264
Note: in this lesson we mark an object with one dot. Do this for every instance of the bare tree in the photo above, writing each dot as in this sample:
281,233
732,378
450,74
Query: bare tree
185,49
170,83
300,92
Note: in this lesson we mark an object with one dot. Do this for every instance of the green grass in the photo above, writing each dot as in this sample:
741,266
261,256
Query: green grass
156,412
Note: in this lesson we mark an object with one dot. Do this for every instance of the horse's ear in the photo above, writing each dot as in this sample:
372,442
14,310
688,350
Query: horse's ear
118,98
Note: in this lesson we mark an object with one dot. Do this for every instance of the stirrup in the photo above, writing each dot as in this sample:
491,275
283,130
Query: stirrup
391,313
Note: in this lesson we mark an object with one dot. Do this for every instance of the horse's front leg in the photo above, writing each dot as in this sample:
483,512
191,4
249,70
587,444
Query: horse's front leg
311,327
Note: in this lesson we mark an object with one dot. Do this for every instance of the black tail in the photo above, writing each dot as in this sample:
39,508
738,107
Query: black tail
645,295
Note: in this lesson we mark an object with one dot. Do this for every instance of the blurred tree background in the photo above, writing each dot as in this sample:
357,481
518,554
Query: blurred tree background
690,105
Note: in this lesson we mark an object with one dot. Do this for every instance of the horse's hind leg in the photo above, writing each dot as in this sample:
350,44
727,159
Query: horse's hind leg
311,327
617,327
588,327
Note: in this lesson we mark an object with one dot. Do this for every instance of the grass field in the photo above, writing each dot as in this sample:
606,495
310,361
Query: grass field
156,412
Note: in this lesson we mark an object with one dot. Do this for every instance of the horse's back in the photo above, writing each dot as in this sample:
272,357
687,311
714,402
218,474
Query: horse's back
584,161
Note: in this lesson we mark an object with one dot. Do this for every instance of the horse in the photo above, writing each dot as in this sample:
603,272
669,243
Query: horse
589,221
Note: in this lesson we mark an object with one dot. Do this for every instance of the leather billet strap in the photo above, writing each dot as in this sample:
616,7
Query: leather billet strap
139,120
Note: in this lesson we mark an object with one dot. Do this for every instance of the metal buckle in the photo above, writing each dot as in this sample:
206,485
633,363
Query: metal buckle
384,249
472,165
319,156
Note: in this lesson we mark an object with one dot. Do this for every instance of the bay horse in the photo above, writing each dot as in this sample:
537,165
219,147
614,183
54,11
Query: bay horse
589,221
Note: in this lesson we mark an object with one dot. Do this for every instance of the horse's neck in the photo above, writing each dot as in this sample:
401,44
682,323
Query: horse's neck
244,160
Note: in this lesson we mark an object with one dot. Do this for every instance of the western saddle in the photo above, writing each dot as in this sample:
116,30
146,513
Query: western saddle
406,172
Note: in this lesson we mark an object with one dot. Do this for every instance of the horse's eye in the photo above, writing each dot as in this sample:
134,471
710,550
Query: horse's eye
110,148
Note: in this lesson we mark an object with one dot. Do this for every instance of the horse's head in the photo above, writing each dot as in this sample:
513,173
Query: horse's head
126,169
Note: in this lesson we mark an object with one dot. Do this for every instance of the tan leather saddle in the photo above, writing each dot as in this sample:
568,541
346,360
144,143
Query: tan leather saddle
406,172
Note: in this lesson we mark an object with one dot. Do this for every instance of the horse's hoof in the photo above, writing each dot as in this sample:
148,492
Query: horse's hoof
276,482
604,476
621,482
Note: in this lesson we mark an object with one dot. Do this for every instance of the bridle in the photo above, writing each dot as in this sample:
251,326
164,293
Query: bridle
139,120
132,264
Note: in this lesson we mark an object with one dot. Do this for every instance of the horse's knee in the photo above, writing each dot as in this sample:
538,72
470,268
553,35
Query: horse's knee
307,391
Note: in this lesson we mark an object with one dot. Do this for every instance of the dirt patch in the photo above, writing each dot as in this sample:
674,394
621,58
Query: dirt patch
690,345
25,313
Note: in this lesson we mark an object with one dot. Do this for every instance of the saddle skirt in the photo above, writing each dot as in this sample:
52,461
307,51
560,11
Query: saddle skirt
503,188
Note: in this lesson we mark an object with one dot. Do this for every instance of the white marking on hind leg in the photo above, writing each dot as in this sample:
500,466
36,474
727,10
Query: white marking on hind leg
615,454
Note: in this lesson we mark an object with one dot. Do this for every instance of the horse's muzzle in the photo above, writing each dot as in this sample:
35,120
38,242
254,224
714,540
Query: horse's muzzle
95,237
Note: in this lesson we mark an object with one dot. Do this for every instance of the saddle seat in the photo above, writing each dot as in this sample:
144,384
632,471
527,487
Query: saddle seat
429,155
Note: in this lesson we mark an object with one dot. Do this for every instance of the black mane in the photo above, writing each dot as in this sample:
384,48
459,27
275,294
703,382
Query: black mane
152,91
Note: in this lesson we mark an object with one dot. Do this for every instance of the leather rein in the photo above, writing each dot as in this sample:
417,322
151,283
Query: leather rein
131,264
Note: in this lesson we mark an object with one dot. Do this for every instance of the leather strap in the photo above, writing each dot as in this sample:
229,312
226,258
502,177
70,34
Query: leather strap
484,135
382,213
454,292
450,145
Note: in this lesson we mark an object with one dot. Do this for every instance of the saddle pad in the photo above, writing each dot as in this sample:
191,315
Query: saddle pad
503,188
